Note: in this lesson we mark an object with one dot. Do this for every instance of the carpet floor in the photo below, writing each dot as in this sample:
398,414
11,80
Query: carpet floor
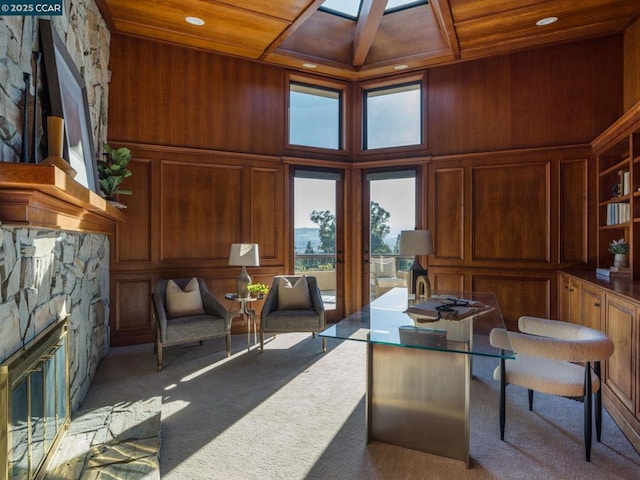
292,412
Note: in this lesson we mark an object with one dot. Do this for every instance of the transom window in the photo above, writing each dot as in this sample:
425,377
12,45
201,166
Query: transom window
393,116
315,116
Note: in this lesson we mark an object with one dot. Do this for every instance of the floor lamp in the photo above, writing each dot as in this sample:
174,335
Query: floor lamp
416,242
244,255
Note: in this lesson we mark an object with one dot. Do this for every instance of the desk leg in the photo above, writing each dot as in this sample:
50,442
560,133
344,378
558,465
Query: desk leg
419,399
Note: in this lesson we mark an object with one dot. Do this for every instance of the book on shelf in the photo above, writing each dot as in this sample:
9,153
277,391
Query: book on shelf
624,185
618,212
613,272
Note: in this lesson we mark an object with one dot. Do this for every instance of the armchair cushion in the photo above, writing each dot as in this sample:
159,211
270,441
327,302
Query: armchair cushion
184,302
293,297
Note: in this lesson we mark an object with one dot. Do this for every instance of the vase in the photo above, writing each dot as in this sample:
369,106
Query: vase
620,260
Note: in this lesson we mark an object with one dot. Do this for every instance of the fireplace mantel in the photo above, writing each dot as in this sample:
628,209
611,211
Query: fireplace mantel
43,196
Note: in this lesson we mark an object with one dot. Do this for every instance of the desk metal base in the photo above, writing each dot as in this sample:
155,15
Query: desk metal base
419,399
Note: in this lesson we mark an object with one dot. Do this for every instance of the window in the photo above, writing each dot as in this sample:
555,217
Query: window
315,116
393,116
351,8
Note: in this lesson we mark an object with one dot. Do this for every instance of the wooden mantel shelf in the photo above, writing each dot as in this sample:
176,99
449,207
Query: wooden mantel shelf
43,196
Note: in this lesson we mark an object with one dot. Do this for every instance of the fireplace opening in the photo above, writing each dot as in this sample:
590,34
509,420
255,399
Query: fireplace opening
34,403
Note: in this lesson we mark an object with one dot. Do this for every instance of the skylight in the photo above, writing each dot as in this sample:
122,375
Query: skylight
344,8
351,8
395,5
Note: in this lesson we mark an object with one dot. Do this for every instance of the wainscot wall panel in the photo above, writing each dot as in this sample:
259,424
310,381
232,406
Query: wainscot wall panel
267,203
451,282
510,212
134,237
448,190
518,294
201,210
574,223
131,309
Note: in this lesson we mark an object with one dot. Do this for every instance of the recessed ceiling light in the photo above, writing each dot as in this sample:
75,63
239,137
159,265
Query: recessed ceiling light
309,65
401,67
194,21
546,21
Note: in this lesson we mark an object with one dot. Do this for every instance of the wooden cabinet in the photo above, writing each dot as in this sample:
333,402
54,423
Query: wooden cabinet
621,321
592,307
569,298
617,152
612,306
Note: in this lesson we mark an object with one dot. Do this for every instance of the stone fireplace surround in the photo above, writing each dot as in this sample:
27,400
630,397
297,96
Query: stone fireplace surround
54,262
45,275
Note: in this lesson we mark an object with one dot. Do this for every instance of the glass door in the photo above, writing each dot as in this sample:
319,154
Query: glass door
391,208
317,237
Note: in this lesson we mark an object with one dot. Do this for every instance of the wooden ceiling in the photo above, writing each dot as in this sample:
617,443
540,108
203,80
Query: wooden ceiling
294,32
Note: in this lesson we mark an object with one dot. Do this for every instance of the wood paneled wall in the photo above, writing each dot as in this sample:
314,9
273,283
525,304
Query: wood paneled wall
632,65
562,95
162,94
509,180
188,207
505,222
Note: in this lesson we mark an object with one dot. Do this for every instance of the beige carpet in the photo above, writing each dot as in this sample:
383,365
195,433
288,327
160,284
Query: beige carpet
292,412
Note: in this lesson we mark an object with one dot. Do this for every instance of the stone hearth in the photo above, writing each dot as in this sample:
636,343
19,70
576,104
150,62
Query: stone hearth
120,441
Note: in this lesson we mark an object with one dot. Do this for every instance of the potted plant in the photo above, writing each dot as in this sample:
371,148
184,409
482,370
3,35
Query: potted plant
258,290
112,170
620,249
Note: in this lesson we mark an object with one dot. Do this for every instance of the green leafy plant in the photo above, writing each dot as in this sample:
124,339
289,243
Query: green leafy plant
618,247
258,288
113,170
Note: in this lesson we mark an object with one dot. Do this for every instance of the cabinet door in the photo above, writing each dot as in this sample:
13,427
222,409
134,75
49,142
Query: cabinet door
569,299
621,323
592,308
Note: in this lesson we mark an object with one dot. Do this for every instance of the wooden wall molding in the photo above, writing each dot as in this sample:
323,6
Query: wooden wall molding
43,196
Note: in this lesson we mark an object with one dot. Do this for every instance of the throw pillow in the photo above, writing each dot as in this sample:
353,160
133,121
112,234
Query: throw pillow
183,302
293,297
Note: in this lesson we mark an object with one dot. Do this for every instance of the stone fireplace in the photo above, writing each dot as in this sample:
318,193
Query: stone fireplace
54,267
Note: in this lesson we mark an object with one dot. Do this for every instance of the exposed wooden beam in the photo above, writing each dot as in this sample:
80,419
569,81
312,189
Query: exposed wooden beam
442,13
303,17
371,14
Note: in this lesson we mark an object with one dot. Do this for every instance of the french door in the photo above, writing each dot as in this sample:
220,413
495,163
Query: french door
389,207
318,242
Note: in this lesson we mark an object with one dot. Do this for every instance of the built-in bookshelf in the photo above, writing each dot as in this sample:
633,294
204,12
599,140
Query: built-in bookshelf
617,152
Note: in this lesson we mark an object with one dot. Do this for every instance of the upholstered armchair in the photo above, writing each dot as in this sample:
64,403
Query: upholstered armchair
384,276
294,304
185,311
555,358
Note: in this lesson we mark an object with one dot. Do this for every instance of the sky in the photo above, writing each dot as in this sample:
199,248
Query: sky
397,196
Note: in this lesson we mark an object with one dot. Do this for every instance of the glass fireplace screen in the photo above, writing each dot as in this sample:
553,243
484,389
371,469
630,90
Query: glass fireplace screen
34,403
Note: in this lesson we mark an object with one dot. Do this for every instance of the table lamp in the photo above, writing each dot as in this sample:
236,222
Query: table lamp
245,255
417,242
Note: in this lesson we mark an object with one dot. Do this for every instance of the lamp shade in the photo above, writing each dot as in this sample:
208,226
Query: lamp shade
415,242
244,254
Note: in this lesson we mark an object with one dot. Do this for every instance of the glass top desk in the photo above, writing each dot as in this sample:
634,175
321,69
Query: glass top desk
419,367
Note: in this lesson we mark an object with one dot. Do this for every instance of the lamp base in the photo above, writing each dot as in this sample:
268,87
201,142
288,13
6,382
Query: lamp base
242,283
423,287
415,272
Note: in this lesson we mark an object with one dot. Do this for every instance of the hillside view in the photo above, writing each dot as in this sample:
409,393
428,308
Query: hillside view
303,236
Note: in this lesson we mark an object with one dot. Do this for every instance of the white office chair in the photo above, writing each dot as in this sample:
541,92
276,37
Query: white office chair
546,353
